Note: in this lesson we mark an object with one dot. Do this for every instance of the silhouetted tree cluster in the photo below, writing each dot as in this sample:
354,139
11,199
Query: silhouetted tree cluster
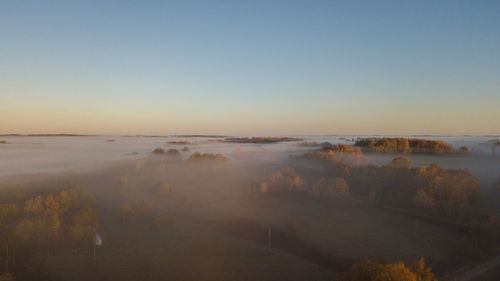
404,145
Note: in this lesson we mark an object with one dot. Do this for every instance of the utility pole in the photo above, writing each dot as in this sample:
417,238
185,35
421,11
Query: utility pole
269,240
7,257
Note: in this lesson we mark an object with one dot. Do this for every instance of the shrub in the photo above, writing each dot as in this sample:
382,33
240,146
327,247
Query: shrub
158,151
173,152
463,150
163,188
401,162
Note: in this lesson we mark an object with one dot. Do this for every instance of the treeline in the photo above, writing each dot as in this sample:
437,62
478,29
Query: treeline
406,145
208,162
428,189
32,226
451,193
338,153
288,181
261,140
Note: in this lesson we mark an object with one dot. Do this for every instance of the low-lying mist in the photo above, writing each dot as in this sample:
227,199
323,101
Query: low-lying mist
205,208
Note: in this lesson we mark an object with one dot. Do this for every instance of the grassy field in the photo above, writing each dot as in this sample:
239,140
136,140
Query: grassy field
183,252
195,250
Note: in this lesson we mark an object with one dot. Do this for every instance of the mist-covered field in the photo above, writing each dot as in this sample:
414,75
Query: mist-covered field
40,154
206,208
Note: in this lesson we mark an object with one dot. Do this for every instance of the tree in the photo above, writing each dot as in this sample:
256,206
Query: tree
395,272
463,149
422,272
364,270
84,225
424,201
8,214
26,230
401,162
163,188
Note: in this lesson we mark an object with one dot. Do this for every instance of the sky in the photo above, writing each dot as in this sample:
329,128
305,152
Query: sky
250,67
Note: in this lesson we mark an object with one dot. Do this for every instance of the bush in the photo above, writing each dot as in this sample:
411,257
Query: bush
163,188
158,151
463,150
401,162
173,152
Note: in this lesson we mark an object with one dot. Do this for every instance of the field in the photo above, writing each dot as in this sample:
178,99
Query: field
196,248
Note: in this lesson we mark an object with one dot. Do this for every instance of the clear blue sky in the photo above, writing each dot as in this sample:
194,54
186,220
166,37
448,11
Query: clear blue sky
250,67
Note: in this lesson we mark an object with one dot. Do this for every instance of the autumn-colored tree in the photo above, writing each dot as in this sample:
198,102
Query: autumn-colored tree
395,272
370,270
423,201
8,214
84,225
330,187
401,162
26,230
422,272
285,180
364,270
